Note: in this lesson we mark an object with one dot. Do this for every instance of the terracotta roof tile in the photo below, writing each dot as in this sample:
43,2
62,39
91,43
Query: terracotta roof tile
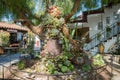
12,26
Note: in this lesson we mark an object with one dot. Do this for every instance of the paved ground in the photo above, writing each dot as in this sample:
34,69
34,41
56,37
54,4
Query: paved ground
115,69
9,59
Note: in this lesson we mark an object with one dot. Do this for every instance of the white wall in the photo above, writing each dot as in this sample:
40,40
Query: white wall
94,19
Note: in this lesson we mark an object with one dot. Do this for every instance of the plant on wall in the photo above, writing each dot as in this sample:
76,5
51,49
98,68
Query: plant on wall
98,36
108,29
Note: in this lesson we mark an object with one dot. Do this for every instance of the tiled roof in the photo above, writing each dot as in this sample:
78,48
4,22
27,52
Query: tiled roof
12,26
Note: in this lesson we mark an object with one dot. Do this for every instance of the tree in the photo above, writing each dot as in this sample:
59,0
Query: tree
48,19
35,14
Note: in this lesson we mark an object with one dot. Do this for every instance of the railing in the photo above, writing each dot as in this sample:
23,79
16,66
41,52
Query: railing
103,36
78,75
9,72
42,76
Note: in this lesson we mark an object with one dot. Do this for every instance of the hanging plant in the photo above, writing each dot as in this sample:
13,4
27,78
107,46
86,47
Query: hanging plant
98,36
108,29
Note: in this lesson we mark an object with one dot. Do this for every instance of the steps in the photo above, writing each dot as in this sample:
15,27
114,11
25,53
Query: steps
106,39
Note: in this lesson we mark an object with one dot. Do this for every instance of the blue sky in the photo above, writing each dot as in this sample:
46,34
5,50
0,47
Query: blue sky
85,9
39,6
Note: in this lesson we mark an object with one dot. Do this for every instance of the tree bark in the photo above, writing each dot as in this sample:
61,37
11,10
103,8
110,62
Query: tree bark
73,11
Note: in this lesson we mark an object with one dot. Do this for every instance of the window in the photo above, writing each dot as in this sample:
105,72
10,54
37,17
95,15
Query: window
100,26
115,15
13,38
107,20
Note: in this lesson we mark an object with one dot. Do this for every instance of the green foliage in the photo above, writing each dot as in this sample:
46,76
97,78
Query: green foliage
17,8
65,5
86,68
21,65
35,10
98,60
4,38
59,64
98,36
89,4
108,29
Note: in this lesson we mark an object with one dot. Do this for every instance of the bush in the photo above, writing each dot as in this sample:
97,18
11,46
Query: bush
4,38
21,65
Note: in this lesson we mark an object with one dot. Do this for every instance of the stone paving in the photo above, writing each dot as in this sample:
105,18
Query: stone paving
8,59
115,66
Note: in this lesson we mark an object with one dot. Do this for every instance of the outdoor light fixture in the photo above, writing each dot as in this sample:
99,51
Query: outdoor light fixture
101,48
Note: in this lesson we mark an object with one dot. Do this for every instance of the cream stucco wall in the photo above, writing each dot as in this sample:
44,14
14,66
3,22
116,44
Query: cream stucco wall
94,19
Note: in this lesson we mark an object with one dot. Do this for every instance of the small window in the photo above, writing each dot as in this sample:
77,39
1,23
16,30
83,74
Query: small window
100,26
107,20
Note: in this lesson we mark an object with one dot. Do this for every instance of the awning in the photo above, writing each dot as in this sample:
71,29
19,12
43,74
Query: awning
10,26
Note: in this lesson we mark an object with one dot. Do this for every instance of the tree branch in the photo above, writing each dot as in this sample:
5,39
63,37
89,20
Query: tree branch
67,35
35,29
73,11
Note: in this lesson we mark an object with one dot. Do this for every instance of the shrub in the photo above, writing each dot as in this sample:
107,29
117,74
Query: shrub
21,65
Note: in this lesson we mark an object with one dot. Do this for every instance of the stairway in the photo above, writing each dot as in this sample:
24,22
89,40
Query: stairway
107,38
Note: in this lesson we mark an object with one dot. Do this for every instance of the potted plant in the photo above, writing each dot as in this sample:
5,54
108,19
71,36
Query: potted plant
98,36
108,29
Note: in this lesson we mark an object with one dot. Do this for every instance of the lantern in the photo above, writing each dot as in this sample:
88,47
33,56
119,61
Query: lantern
101,48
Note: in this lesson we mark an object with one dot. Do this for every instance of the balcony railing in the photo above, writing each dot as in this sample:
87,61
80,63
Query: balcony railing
103,36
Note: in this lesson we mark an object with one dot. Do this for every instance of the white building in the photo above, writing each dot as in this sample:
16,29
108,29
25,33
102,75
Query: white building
97,21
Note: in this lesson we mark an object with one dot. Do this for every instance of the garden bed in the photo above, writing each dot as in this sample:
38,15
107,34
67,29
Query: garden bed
32,73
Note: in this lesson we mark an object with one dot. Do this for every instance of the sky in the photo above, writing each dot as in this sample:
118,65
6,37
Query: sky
85,9
39,6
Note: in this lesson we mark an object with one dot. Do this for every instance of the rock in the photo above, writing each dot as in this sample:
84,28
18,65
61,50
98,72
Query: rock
26,75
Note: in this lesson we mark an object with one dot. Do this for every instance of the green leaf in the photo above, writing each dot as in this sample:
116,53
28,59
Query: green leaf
60,65
64,69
